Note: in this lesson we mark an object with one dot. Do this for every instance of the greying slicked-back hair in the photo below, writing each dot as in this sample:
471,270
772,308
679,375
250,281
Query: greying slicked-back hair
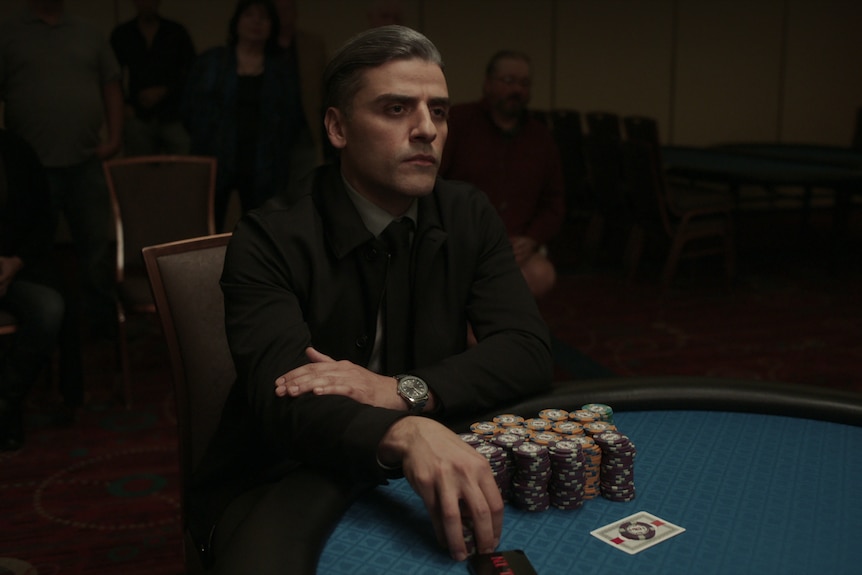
504,55
370,49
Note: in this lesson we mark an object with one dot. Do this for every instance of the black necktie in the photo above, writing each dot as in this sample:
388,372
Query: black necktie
398,334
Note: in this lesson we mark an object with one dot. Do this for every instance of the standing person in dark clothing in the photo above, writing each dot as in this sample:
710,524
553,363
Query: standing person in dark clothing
305,56
60,84
26,274
156,54
239,106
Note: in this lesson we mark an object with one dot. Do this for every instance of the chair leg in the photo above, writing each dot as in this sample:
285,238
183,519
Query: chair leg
672,260
634,251
123,349
729,253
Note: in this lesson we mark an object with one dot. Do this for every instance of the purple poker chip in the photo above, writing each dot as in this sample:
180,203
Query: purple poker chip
637,530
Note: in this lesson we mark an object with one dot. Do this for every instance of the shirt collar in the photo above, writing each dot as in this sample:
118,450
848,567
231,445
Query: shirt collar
374,217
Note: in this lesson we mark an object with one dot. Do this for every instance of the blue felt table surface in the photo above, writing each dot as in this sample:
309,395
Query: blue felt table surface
755,493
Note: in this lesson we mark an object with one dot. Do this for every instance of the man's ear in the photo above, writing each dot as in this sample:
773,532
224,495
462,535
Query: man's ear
335,128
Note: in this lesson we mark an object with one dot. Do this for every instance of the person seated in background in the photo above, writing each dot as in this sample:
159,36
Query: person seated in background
495,145
156,54
346,309
241,107
26,275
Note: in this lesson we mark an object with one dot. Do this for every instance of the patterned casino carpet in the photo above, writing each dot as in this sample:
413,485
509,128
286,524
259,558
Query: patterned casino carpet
101,496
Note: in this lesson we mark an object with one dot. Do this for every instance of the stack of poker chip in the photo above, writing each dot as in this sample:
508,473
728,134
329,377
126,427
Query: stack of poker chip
594,427
603,412
566,486
467,529
507,442
592,455
532,474
617,471
583,416
560,458
497,457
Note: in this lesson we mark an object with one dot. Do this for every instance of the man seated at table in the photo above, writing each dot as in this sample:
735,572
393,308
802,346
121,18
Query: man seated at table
328,375
497,146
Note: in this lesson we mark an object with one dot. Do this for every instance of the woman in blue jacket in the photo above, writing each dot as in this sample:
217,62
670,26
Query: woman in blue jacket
242,106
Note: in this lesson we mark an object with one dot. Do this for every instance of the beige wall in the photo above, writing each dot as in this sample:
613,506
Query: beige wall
709,70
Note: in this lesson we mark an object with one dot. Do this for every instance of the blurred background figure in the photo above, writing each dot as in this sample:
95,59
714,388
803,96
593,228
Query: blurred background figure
305,57
26,277
156,55
241,107
385,12
495,144
60,83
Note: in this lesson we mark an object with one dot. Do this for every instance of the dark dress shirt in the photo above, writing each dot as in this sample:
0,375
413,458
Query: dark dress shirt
519,171
166,62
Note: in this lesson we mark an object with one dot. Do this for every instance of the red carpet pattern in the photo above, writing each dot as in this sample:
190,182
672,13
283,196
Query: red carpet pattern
796,327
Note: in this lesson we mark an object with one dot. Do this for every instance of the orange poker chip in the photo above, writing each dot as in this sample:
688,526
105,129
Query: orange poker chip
538,424
568,428
554,414
485,428
596,427
583,416
545,437
508,420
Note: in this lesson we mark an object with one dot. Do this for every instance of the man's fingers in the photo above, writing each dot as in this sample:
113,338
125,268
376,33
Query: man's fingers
453,528
485,511
315,356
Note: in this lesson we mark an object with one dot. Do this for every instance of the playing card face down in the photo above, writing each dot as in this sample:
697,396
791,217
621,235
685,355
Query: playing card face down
637,532
513,562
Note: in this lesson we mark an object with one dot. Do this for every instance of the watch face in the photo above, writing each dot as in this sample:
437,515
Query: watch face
412,387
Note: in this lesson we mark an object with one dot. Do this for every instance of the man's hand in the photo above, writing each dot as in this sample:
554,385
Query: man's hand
523,247
325,376
451,478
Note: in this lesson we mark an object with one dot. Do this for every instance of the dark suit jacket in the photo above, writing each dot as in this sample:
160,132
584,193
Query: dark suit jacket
307,272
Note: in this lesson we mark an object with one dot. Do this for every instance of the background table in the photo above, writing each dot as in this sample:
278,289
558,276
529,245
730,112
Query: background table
772,166
755,493
798,152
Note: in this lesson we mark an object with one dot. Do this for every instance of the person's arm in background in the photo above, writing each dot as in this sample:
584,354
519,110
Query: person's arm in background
112,98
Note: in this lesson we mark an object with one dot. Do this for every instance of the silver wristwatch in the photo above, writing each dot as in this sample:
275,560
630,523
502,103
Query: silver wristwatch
414,391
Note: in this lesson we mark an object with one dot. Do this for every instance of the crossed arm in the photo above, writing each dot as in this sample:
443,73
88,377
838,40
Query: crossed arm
443,470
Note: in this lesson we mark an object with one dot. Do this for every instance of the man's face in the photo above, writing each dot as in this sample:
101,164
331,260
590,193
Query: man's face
508,87
392,137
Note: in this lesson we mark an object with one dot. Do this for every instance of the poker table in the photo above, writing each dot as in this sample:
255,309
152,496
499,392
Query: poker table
837,156
763,477
771,166
767,165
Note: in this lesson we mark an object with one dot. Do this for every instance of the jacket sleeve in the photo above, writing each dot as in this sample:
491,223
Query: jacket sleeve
512,359
268,334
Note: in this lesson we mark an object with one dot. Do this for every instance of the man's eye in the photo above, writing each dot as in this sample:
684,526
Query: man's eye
396,109
440,112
